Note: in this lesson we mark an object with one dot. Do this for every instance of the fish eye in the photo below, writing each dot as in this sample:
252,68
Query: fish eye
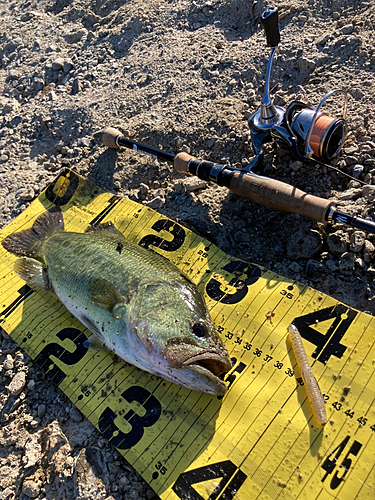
199,330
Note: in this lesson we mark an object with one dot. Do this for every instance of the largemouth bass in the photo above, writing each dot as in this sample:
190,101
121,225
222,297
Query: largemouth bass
136,303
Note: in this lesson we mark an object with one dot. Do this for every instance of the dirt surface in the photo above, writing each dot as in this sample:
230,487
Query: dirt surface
179,76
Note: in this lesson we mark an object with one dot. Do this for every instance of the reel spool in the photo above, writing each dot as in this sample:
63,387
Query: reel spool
316,134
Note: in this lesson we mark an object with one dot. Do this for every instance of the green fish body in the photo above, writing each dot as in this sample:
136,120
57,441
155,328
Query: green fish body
135,302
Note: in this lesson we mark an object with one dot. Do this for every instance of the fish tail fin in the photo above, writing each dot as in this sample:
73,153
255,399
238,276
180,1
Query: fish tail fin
28,241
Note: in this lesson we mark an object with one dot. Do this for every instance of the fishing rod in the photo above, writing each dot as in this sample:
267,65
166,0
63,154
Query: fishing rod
262,190
309,133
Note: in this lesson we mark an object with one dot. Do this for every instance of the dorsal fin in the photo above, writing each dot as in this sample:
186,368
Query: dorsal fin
104,227
28,241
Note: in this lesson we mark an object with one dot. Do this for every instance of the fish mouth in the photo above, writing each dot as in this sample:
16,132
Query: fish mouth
210,364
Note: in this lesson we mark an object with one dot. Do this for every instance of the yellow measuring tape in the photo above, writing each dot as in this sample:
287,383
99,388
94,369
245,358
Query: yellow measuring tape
259,440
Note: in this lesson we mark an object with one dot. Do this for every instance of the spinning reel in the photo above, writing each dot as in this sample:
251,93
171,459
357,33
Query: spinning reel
309,133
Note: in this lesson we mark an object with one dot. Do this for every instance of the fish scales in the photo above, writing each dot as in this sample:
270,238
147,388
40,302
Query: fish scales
72,255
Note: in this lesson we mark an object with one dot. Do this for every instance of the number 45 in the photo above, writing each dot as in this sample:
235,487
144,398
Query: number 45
329,464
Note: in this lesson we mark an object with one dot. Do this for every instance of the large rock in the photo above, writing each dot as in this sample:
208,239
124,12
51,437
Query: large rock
338,242
304,244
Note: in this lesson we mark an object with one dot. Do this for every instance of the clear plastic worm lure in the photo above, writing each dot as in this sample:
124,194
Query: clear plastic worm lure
314,394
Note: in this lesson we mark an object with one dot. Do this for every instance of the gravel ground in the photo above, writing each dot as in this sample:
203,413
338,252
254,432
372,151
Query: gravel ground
179,76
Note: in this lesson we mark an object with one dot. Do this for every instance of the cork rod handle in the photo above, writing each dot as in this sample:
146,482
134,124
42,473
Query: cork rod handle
269,192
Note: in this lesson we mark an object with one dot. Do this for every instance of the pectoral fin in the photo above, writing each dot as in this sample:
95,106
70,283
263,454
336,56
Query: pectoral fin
33,272
95,343
104,294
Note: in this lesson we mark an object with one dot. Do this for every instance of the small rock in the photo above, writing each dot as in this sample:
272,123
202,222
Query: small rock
76,86
295,267
323,40
75,36
178,186
91,17
314,270
34,423
350,194
57,64
368,192
368,251
68,65
75,415
132,494
31,385
9,106
26,194
347,30
210,142
52,96
304,243
17,384
143,188
357,240
31,488
347,261
295,165
193,184
19,356
7,493
349,150
8,363
357,170
359,288
331,265
41,410
338,242
84,141
359,262
350,160
241,237
156,203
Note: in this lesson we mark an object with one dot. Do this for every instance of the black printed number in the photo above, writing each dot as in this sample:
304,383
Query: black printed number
328,344
160,467
232,480
44,360
253,273
236,371
62,190
330,463
165,225
123,440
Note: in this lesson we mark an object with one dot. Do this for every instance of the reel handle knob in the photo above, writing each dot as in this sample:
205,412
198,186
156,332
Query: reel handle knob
270,23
